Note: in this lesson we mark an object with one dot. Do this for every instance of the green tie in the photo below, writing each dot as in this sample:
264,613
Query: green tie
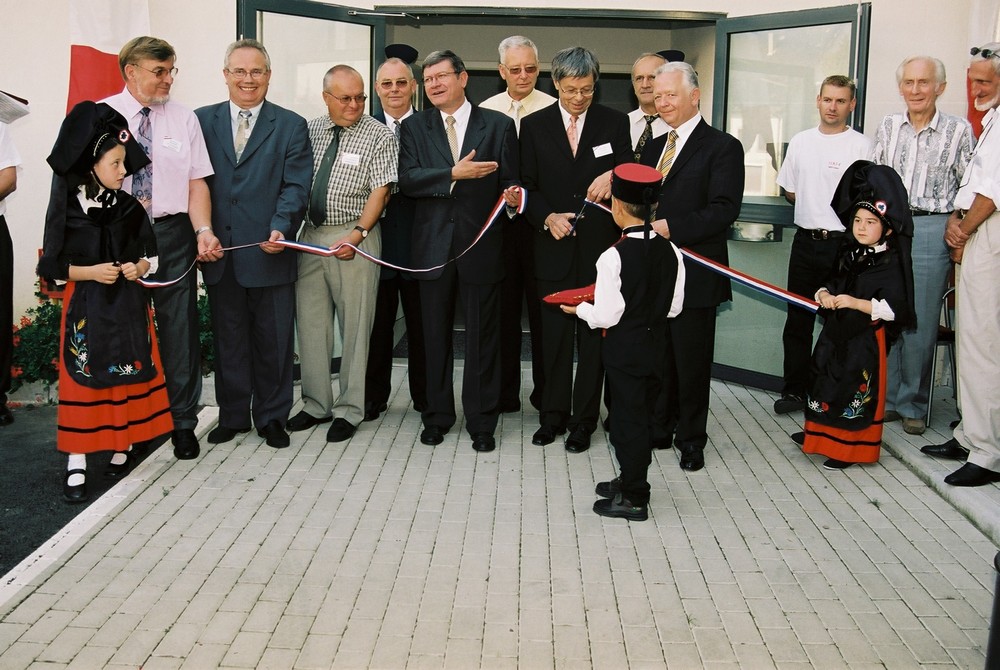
321,183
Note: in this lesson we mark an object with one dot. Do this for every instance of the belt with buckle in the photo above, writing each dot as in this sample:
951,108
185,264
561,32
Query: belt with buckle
922,212
820,234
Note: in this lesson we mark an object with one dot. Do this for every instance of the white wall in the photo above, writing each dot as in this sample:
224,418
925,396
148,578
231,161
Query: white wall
35,57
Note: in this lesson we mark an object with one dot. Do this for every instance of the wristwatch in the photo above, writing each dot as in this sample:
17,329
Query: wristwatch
364,233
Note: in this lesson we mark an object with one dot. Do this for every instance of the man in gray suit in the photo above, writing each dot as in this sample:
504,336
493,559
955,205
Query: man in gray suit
263,170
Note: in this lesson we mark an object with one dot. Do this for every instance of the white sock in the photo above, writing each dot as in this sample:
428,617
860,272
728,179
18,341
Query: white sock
76,462
120,457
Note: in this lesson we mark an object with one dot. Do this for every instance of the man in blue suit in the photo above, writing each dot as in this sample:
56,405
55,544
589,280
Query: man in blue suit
263,171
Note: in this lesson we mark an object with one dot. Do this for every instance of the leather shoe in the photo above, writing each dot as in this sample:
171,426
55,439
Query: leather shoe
78,493
274,435
578,440
304,421
789,402
971,474
483,442
373,410
621,508
432,435
119,470
609,489
951,450
186,445
6,418
834,464
798,438
891,415
341,430
221,434
692,458
914,426
546,435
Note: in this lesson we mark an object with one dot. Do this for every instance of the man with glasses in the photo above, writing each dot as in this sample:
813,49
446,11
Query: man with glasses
456,160
354,167
174,191
519,69
263,167
930,151
564,149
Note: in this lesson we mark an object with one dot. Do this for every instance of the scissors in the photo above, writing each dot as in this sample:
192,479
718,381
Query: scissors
577,218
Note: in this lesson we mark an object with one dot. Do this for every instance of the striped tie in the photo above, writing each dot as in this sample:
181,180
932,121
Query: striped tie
668,153
452,137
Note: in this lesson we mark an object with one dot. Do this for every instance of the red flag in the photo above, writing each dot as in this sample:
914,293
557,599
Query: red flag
98,29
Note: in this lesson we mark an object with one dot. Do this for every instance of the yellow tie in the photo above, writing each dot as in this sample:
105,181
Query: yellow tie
668,153
452,137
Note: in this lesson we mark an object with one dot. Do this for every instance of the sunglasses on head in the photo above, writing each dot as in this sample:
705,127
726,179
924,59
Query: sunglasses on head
985,53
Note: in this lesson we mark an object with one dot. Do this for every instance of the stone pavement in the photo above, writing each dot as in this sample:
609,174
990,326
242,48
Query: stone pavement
385,553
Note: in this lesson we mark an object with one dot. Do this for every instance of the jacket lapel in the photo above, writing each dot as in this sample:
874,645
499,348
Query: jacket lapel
690,149
475,133
558,130
437,136
262,129
223,129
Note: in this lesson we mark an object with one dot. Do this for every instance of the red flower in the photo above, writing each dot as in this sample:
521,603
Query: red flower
863,388
138,366
25,322
823,406
55,363
16,372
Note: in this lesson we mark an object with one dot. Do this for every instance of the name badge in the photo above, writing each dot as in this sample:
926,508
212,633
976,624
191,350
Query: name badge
602,150
350,159
172,144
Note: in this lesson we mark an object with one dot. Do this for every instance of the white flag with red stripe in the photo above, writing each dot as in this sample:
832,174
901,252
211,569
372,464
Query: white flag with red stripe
98,29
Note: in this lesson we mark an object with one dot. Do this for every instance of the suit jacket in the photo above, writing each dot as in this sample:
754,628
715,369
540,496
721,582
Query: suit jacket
557,182
397,225
447,220
267,190
700,199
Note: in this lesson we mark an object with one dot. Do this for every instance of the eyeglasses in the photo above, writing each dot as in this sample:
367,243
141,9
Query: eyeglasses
387,84
985,53
440,76
573,92
348,99
516,71
159,72
240,73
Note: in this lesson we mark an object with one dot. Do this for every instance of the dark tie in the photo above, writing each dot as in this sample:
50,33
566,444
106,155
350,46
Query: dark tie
647,133
242,132
142,180
395,128
321,183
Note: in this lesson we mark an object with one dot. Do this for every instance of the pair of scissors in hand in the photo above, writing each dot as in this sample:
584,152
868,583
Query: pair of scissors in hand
577,218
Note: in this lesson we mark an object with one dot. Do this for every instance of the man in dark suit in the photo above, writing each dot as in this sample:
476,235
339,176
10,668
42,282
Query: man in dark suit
564,148
700,199
456,160
395,86
263,168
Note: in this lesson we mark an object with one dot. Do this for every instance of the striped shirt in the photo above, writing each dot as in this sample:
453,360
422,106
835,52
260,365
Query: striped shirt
930,163
367,158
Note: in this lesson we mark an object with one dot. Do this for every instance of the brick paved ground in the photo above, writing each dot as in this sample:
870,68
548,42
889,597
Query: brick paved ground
385,553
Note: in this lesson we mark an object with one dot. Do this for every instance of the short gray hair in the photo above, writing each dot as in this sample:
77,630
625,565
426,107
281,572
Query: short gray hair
248,43
989,46
513,42
690,76
435,57
939,75
575,62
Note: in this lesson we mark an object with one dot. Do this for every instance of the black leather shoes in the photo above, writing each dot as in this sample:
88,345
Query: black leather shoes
341,430
951,450
186,445
971,474
609,489
578,440
303,421
546,435
432,435
119,470
483,442
789,402
620,508
221,434
692,458
6,418
372,410
834,464
274,435
77,493
798,438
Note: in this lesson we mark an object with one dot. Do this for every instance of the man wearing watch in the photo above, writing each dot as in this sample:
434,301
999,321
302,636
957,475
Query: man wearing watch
354,168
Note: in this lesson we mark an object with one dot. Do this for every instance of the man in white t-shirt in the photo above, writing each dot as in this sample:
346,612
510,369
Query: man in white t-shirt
814,162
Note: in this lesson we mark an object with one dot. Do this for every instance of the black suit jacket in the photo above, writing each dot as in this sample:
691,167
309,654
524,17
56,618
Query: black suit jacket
447,220
700,199
557,181
397,225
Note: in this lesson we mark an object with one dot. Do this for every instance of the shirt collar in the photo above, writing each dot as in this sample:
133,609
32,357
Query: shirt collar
389,118
461,114
234,112
933,123
688,126
566,115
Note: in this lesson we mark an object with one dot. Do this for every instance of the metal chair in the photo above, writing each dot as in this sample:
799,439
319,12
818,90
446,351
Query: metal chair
945,338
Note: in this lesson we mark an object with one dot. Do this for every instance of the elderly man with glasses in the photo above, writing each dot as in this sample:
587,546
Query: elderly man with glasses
354,168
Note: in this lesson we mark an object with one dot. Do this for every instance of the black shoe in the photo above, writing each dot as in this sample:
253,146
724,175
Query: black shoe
546,435
221,434
373,410
186,445
483,442
119,470
78,493
951,450
971,474
789,402
510,406
340,430
798,438
578,440
304,421
274,435
692,458
6,418
609,489
432,435
621,508
834,464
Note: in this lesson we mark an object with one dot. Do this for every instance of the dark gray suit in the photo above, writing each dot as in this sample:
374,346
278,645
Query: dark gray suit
252,293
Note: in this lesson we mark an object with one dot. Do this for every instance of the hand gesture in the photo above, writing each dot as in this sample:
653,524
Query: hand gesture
600,188
105,273
560,224
470,169
209,247
271,248
512,196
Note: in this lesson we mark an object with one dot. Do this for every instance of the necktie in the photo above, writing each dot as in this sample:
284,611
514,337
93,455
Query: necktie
142,180
515,113
647,133
668,153
242,132
452,137
395,128
321,183
571,135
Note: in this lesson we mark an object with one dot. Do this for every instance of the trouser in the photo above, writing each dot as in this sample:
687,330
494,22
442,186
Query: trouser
6,307
378,378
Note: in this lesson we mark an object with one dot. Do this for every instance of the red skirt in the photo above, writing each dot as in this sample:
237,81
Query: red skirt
852,446
109,419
